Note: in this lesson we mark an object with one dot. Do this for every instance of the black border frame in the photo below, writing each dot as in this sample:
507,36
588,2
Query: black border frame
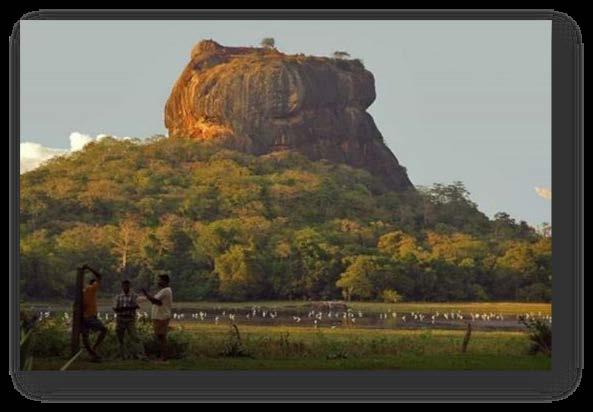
352,386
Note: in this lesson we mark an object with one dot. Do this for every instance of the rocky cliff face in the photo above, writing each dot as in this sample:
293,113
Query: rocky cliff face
260,101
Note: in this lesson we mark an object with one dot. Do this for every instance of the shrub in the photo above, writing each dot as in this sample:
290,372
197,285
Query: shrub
540,335
51,338
391,296
233,346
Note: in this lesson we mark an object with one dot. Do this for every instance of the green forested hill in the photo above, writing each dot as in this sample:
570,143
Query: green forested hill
226,225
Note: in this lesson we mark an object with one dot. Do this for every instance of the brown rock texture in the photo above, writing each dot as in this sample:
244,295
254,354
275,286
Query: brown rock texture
259,100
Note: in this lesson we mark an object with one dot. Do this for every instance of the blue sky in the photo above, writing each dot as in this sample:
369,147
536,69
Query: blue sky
456,100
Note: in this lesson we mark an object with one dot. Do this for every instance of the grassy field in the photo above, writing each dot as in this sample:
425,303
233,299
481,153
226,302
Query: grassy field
210,345
287,348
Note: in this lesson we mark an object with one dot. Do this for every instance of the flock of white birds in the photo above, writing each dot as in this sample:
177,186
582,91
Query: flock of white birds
334,318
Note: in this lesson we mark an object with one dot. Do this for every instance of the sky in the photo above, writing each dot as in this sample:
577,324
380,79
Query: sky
456,100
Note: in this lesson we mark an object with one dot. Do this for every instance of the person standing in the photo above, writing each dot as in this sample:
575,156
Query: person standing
125,306
162,302
90,321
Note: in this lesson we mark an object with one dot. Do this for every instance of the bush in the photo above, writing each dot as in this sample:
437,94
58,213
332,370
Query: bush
27,329
51,338
540,335
233,346
391,296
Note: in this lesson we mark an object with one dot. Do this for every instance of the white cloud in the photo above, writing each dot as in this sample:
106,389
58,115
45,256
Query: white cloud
544,192
78,141
34,155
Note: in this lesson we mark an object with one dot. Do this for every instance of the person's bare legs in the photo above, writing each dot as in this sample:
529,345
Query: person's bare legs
162,346
87,346
120,331
102,334
134,340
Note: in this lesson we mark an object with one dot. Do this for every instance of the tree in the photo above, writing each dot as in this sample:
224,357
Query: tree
239,274
356,280
127,237
228,224
456,247
41,274
318,263
451,209
399,245
268,43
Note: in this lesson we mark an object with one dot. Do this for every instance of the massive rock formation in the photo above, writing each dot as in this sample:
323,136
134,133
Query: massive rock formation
259,100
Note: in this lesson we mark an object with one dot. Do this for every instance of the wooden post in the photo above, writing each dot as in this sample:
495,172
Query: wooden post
468,334
77,312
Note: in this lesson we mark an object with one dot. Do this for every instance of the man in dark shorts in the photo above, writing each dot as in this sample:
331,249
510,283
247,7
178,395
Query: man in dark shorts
90,321
125,306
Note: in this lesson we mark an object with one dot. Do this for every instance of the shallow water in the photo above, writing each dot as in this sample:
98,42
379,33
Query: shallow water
325,318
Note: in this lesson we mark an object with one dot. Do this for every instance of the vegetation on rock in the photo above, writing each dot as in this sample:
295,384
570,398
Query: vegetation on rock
229,225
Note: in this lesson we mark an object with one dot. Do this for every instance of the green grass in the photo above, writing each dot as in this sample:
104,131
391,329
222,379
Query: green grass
286,348
409,362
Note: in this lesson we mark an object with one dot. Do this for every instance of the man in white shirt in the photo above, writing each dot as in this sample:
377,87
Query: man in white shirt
161,312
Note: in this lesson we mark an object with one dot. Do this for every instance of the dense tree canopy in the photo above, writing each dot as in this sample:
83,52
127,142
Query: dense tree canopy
226,225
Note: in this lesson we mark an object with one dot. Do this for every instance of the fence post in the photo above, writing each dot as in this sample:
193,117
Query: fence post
468,334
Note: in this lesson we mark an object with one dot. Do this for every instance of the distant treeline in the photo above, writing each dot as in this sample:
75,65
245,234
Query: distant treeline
226,225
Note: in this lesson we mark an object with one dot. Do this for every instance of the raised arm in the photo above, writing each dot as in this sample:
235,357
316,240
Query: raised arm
151,298
94,272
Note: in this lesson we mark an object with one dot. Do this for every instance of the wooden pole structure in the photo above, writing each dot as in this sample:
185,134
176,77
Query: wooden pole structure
71,361
77,313
468,334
